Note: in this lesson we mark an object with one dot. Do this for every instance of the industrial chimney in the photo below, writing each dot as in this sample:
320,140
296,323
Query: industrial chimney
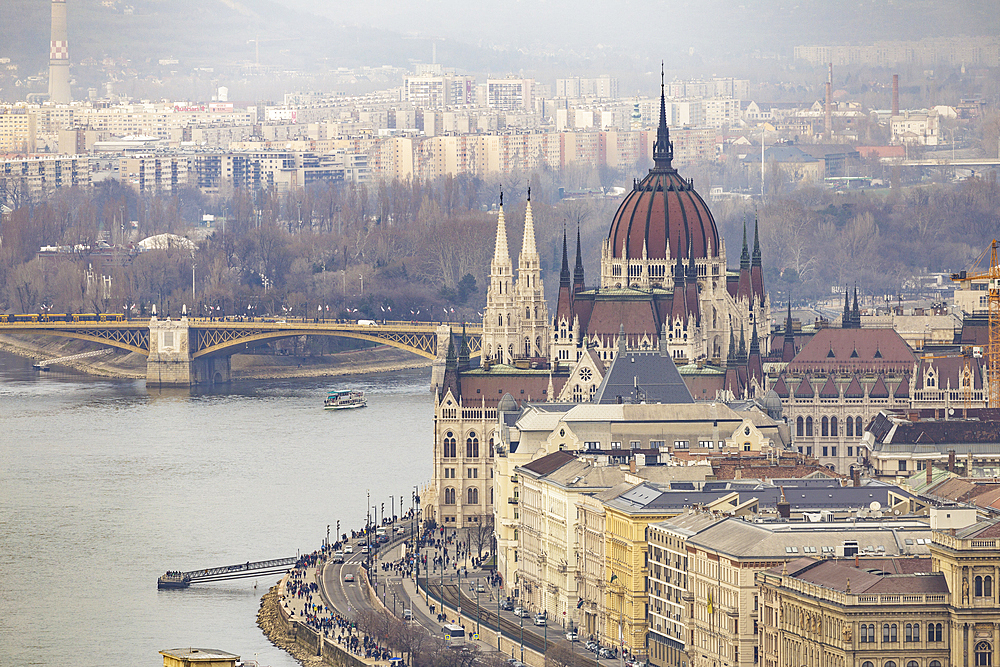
828,124
59,55
895,94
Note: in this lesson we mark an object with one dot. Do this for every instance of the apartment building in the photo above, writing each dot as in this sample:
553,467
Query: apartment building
18,126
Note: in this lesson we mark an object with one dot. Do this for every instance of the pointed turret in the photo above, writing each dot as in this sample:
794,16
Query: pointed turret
755,369
498,334
788,349
678,306
855,311
744,289
533,326
741,353
564,304
693,306
663,149
452,374
845,320
578,284
756,267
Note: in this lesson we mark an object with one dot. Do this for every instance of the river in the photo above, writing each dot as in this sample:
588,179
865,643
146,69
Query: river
105,485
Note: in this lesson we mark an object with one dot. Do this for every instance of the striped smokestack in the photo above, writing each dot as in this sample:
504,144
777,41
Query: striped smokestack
59,55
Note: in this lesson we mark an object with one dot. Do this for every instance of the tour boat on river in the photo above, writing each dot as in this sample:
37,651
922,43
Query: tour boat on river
345,399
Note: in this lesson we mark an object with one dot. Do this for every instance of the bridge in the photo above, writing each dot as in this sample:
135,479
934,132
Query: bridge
192,351
262,568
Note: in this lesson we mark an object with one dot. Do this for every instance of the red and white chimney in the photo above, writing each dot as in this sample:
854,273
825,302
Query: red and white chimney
59,55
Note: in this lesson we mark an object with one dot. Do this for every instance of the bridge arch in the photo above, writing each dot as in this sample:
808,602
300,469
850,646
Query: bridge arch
130,340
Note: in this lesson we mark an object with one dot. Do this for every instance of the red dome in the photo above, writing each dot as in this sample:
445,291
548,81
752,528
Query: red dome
663,206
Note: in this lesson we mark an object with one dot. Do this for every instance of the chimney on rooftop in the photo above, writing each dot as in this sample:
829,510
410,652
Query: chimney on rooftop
856,476
895,94
828,123
930,472
951,460
784,507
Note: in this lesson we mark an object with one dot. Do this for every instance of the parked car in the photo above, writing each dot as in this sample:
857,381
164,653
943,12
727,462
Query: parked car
606,652
571,636
507,604
522,612
592,646
539,619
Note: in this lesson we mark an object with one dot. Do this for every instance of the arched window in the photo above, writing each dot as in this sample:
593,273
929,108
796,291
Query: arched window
510,353
809,426
850,427
527,313
500,320
988,586
799,427
858,430
833,427
888,634
912,663
538,345
527,347
449,496
508,319
890,663
934,632
577,394
825,429
450,449
979,587
912,633
867,663
473,496
472,446
934,663
984,654
491,447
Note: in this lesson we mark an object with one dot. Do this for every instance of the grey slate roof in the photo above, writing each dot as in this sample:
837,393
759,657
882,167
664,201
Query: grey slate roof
656,377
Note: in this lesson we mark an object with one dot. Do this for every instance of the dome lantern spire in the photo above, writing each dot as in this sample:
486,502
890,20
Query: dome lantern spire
663,150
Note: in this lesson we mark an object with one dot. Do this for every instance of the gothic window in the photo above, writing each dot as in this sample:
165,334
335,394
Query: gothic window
850,427
538,345
714,318
984,654
527,313
449,496
825,427
450,451
510,351
491,447
858,431
799,426
491,495
489,351
527,347
473,496
577,394
833,427
508,319
585,374
472,446
809,426
500,318
593,390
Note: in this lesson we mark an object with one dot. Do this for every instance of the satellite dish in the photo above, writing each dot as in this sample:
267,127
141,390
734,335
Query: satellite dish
896,512
874,506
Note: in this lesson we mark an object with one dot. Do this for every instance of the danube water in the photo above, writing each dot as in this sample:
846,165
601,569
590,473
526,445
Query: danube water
105,485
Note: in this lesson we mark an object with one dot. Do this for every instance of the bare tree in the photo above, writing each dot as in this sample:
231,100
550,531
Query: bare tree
481,534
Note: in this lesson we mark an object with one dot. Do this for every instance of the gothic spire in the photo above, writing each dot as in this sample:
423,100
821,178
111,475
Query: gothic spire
754,341
845,321
745,256
789,332
578,270
501,253
564,271
756,243
742,353
528,242
731,355
856,312
663,150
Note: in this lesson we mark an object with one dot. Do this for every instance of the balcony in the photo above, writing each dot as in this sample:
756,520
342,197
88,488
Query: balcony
512,501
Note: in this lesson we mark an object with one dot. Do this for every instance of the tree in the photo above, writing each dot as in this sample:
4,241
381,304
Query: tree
481,533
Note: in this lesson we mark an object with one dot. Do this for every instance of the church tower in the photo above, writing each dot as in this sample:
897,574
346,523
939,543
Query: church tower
500,339
528,295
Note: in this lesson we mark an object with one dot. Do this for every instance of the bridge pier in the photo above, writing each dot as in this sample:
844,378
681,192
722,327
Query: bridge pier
437,367
169,363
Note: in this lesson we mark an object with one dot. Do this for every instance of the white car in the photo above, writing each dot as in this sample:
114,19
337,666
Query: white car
571,636
348,549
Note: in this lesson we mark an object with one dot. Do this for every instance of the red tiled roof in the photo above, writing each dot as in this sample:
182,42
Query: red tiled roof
829,389
902,389
780,388
855,390
839,350
950,370
805,389
879,390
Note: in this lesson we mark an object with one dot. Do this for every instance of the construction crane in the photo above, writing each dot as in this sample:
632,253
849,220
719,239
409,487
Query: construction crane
991,274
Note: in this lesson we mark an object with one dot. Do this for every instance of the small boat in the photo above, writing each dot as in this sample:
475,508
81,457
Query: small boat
173,580
345,400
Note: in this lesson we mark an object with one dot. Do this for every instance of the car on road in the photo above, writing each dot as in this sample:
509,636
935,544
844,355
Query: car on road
540,619
338,556
348,549
522,612
401,531
571,636
364,549
480,588
592,646
606,652
348,577
514,662
407,614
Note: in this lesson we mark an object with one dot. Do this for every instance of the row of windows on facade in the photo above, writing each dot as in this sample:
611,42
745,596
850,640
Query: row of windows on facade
911,663
470,473
655,444
829,427
890,634
471,446
830,451
472,496
984,658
